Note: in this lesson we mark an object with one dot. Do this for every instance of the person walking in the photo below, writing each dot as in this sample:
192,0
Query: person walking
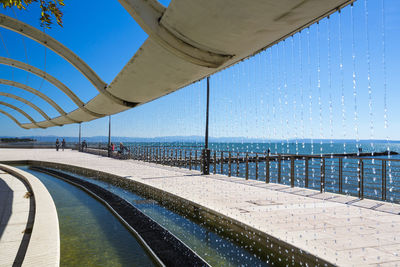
57,144
63,143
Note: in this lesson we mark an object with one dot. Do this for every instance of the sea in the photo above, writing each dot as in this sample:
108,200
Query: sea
284,147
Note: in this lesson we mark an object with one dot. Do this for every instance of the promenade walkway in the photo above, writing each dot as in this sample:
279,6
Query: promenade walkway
14,212
341,230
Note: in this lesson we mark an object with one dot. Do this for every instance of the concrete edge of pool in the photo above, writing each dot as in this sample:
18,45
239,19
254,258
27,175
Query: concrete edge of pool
43,248
246,234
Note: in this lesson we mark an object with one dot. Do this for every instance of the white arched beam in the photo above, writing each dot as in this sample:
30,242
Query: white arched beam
148,14
20,111
12,118
29,104
51,43
37,93
44,75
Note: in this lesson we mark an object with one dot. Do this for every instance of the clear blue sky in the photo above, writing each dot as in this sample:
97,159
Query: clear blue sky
272,95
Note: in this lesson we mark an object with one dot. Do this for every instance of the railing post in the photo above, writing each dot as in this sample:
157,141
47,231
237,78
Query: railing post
279,169
362,179
237,164
195,159
306,172
359,177
322,175
215,162
267,169
292,171
163,151
340,175
205,155
247,166
383,179
222,162
256,166
149,154
190,159
185,159
229,165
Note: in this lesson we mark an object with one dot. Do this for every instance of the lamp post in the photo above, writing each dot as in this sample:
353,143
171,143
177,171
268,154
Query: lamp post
109,136
79,140
206,151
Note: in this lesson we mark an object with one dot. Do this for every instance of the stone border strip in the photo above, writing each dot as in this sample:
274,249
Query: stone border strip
44,244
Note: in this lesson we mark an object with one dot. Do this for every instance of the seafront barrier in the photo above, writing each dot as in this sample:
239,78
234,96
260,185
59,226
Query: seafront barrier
365,175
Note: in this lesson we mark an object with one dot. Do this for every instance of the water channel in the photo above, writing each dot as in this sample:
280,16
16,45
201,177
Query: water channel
89,234
92,236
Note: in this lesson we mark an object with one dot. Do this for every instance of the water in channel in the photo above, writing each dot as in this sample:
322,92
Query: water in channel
213,248
89,234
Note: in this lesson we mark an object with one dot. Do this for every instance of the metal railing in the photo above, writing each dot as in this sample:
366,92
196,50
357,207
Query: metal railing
364,177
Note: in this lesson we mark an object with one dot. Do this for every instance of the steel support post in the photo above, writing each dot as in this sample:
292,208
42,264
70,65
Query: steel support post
79,139
206,152
109,137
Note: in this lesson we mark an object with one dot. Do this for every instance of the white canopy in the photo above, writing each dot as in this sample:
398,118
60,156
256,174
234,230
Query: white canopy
188,41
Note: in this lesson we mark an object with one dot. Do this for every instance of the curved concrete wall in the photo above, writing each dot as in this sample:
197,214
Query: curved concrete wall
44,245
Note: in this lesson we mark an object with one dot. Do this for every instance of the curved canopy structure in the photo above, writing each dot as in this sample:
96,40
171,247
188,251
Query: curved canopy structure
19,110
14,119
187,41
29,104
51,43
51,79
37,93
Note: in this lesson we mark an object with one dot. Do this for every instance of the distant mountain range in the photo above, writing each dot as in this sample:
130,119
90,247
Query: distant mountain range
198,139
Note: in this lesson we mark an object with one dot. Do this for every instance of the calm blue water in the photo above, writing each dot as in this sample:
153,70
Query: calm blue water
292,147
